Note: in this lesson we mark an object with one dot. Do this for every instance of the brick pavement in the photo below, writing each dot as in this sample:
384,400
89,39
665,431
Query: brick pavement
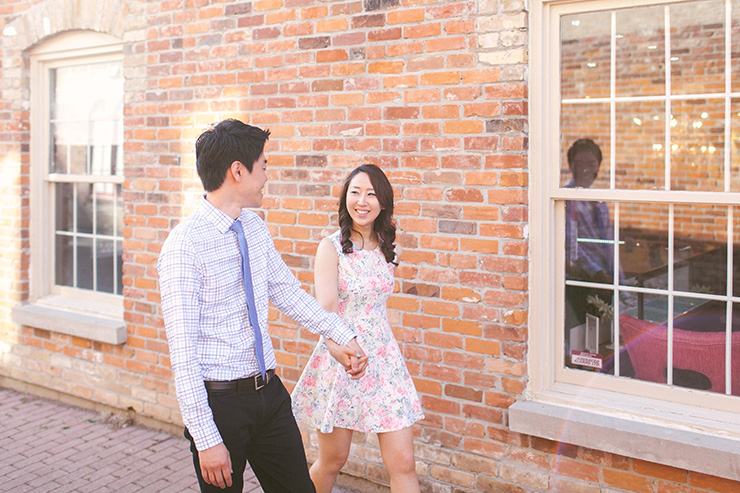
47,446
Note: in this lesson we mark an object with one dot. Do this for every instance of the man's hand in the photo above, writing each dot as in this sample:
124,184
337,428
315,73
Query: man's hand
348,356
215,465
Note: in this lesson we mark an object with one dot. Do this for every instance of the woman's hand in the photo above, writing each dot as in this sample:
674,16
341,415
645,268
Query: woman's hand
352,357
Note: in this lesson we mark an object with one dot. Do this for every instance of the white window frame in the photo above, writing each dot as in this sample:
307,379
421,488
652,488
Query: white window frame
78,312
653,422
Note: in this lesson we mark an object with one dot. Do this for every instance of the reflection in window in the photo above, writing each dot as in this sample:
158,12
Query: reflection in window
652,288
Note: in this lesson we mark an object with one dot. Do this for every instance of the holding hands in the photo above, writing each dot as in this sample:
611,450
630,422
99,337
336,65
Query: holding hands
352,357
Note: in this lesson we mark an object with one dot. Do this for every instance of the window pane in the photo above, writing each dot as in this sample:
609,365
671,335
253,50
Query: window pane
697,145
85,262
589,241
105,258
697,47
589,121
735,144
85,207
585,55
109,208
700,248
119,267
640,51
64,211
736,253
640,142
59,158
643,255
735,47
699,343
64,261
104,150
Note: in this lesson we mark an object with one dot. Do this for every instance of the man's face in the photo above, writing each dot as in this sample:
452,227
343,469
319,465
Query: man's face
585,168
253,183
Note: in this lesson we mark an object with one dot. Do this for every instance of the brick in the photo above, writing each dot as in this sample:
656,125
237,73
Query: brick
484,448
564,484
712,483
440,405
625,480
461,392
440,78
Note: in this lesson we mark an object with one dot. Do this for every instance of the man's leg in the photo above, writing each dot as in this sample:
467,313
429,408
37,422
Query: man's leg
233,413
276,451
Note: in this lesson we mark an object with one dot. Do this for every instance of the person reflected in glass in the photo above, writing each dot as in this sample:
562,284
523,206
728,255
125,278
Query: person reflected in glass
354,277
589,235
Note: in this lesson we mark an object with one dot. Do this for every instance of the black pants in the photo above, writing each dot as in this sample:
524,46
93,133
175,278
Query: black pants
259,427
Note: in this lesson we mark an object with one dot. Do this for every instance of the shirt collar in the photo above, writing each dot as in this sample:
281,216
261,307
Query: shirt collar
216,216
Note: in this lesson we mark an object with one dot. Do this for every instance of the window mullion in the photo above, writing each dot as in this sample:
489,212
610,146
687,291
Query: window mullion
668,110
612,102
730,293
616,294
728,97
671,278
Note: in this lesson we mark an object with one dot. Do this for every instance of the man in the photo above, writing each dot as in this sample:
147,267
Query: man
589,233
218,269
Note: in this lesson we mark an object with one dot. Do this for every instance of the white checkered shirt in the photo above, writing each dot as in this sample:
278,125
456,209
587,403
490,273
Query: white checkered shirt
205,308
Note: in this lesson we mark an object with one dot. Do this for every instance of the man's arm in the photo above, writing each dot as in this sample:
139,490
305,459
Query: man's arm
179,282
285,291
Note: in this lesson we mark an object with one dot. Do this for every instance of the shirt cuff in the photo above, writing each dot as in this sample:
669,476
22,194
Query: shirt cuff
341,334
205,436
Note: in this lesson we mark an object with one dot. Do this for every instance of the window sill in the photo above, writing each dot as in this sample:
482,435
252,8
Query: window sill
688,438
109,327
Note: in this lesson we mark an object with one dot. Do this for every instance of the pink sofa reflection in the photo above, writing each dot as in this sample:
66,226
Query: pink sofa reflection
701,352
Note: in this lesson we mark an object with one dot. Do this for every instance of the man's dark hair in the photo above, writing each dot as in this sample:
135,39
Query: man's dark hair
221,145
584,145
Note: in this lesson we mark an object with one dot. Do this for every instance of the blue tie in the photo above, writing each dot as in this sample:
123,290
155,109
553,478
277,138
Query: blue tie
249,291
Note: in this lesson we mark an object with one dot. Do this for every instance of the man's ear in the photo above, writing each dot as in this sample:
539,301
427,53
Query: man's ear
236,170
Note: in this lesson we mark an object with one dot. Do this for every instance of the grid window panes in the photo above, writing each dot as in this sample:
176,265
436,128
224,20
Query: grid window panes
86,173
649,116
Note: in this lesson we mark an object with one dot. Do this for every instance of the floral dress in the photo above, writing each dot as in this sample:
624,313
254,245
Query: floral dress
385,398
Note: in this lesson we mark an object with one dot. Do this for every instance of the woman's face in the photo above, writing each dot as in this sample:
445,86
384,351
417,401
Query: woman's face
362,203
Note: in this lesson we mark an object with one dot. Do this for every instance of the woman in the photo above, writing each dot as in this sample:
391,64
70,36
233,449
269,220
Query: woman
354,277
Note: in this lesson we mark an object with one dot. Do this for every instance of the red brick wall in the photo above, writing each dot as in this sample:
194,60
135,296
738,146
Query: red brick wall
433,92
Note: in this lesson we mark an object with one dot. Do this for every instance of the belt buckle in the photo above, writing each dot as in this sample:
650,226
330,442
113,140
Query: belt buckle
257,378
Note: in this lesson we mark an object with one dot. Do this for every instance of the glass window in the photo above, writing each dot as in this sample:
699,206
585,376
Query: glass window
78,205
648,166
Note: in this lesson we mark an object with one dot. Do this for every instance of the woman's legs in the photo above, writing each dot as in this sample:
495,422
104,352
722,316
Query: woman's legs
397,449
333,452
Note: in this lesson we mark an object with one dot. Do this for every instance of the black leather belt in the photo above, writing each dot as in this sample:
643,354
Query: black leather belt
245,384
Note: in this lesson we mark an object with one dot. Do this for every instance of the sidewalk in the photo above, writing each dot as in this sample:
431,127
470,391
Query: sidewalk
48,446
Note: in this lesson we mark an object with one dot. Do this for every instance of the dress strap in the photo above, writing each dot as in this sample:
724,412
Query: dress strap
336,238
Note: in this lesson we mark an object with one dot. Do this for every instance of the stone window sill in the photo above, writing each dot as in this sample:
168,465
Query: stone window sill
56,317
669,434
